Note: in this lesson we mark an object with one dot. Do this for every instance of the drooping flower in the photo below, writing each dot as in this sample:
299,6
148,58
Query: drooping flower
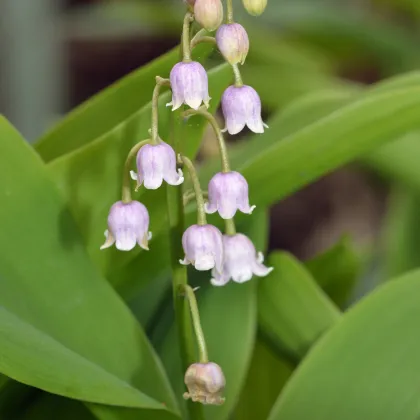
228,192
208,13
205,383
233,42
189,85
241,261
155,163
203,247
241,106
255,7
128,224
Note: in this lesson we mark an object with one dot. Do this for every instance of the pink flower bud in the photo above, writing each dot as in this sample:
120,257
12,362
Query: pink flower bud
128,224
241,106
241,261
205,383
189,85
203,247
228,192
233,43
255,7
155,163
208,13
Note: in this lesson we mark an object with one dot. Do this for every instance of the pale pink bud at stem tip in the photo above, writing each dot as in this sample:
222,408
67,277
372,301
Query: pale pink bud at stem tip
203,247
208,13
128,224
155,163
233,42
189,85
255,7
241,107
205,383
228,192
241,261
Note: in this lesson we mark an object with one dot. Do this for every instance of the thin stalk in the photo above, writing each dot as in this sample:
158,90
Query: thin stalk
229,11
230,228
221,140
186,48
175,209
126,184
237,74
201,342
198,40
155,108
201,214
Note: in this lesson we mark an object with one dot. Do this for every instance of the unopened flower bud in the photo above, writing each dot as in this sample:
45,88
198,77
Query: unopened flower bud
155,163
241,261
208,13
128,224
233,42
203,247
255,7
241,106
228,192
189,85
205,383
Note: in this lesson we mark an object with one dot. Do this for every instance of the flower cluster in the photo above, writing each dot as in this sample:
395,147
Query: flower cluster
231,256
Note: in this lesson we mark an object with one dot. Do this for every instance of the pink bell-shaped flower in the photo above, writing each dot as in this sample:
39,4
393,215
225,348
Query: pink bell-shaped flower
189,85
128,224
241,107
203,247
233,42
228,192
241,261
155,163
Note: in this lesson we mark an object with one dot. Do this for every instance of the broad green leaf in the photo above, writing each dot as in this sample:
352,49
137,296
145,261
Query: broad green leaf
63,328
336,270
366,366
90,177
292,310
110,108
401,235
228,315
267,376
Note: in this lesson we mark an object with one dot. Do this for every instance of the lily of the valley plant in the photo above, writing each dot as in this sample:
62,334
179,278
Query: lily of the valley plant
229,256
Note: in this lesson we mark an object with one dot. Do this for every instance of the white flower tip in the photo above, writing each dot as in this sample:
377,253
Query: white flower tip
109,241
133,175
260,257
252,209
149,236
265,125
209,209
217,283
207,102
169,104
184,262
224,130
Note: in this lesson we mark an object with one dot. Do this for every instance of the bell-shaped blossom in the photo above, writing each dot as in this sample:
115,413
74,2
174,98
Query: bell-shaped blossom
241,106
155,163
233,42
241,261
208,13
189,85
255,7
205,383
128,224
203,247
228,192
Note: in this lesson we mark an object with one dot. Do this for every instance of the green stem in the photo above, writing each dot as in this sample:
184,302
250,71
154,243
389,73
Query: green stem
155,108
201,342
229,11
201,214
221,140
175,209
237,74
186,49
126,184
230,228
198,40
